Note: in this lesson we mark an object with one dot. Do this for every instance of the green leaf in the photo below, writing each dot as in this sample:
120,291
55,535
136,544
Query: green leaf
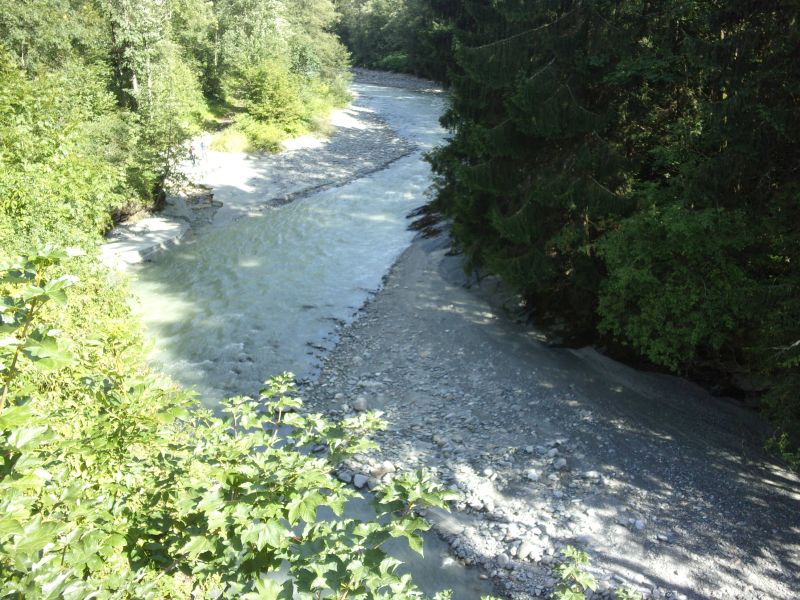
32,292
55,290
416,543
14,416
53,588
24,437
305,507
45,351
270,533
37,534
586,580
408,528
564,592
268,589
197,545
9,525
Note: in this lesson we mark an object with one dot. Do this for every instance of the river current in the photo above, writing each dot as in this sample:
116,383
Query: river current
249,298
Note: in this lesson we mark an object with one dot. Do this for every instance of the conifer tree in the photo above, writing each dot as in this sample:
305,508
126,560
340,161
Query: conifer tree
632,167
535,171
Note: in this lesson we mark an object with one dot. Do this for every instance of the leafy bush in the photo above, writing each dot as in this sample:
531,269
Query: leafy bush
272,94
230,139
262,136
119,484
57,177
576,581
395,61
674,290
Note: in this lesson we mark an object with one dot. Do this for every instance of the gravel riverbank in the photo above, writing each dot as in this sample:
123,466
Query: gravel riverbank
223,187
665,486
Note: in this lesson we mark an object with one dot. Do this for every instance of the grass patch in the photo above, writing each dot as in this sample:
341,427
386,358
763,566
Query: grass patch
279,108
230,139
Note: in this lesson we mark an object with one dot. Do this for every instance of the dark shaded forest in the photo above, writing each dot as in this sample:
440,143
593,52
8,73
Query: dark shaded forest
630,168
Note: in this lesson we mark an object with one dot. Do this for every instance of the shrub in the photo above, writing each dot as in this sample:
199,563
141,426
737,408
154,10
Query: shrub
230,139
674,290
396,61
262,136
114,482
272,94
576,582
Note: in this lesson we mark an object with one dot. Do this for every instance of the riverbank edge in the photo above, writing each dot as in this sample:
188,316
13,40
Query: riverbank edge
134,242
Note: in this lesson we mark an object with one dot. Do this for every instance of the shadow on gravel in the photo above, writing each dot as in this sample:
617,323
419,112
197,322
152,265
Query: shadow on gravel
686,497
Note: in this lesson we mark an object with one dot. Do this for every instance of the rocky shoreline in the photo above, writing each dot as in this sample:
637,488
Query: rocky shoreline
666,488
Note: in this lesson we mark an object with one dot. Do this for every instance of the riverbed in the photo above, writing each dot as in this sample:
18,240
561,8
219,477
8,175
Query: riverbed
266,282
266,285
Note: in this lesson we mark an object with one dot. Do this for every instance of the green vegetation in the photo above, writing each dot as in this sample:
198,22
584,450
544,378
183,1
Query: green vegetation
97,99
629,167
114,483
576,581
413,36
279,63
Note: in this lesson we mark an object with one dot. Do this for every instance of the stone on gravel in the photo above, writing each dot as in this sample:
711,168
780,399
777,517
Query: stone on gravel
360,480
359,404
525,550
384,468
503,561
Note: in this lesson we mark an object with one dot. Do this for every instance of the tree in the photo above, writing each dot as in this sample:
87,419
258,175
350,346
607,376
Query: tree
631,168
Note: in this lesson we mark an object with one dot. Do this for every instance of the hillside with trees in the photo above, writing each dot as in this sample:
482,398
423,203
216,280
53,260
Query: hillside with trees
631,169
98,98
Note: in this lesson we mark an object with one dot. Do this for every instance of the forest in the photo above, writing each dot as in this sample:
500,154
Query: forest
630,168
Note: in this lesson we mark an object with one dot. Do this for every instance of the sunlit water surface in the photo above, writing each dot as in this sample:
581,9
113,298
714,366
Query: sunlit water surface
267,293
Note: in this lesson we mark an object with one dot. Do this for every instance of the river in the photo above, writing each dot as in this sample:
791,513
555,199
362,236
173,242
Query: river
261,292
265,289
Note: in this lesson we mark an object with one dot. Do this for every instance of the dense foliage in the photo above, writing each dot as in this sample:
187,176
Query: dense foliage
413,36
114,484
97,98
632,168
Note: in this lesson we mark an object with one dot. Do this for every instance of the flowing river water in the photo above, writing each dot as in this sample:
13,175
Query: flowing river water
250,297
260,291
